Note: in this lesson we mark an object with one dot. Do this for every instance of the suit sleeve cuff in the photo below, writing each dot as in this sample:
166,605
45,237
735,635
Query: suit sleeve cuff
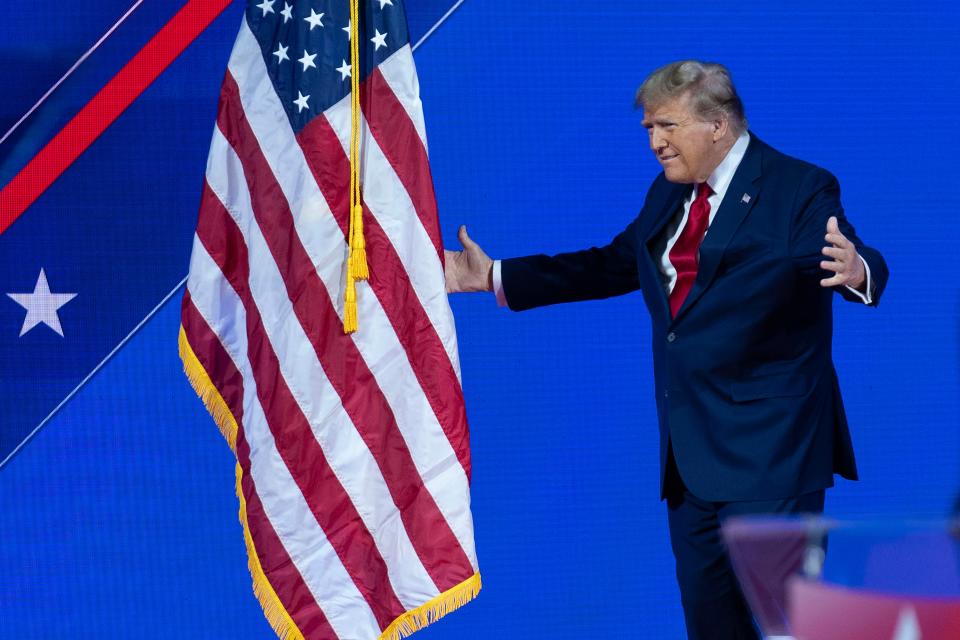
498,284
866,298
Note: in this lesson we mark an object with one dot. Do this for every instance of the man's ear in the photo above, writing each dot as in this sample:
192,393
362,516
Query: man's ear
720,127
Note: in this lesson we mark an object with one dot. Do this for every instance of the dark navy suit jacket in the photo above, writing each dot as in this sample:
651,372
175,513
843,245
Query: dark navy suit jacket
747,395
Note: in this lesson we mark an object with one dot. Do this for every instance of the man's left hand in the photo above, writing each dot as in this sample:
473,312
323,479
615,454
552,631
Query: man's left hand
846,263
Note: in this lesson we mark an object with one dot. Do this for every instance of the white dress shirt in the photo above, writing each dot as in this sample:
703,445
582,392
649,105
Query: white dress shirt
719,181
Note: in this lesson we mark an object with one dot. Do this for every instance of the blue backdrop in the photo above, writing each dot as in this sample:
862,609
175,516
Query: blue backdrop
119,515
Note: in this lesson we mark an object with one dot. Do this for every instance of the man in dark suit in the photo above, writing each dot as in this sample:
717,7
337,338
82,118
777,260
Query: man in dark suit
738,250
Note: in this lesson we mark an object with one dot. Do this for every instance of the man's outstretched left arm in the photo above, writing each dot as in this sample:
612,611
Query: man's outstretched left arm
827,247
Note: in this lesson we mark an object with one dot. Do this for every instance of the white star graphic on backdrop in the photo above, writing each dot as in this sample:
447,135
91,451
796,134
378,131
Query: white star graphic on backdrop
347,29
266,6
281,53
344,70
307,60
385,2
41,305
380,40
314,19
301,102
287,13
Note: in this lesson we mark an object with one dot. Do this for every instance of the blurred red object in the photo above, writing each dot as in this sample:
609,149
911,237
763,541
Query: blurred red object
822,611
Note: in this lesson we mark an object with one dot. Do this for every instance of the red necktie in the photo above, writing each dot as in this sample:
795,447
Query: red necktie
685,254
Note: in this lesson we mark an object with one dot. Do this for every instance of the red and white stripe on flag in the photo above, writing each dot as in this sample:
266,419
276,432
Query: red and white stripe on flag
353,461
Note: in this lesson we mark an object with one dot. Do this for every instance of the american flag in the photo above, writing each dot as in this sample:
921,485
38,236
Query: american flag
353,461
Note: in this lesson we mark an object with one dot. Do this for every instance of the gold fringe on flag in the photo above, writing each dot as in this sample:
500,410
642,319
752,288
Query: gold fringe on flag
281,622
356,268
212,400
431,611
278,617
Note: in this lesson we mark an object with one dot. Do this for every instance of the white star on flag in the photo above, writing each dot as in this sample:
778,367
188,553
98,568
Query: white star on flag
307,60
41,305
287,12
347,29
385,2
344,70
380,40
301,101
266,6
314,19
281,53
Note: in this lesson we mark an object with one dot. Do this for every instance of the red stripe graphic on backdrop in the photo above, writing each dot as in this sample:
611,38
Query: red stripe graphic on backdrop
362,399
105,107
277,566
398,138
391,284
299,449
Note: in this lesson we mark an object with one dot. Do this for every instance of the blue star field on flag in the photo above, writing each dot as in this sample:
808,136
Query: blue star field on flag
306,46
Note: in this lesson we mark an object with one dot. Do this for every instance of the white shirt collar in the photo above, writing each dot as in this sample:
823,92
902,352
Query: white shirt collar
722,176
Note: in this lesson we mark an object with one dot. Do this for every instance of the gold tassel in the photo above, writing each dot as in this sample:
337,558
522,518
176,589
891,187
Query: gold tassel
358,248
350,306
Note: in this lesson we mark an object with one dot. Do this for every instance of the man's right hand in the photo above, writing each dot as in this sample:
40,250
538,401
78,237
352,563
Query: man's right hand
470,269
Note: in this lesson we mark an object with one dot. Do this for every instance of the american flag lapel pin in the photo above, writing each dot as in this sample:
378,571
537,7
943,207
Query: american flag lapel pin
745,199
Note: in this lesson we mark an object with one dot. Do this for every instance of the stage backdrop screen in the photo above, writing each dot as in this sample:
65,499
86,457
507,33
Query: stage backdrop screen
117,511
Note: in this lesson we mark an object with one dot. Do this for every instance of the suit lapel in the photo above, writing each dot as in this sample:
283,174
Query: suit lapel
739,199
649,237
672,202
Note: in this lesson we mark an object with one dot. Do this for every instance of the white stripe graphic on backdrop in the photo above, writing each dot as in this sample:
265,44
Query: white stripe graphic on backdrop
297,528
316,226
73,68
346,452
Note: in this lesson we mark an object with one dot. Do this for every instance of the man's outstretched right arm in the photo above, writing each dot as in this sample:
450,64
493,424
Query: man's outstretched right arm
539,280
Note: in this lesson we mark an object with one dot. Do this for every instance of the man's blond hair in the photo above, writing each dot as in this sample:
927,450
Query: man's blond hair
708,84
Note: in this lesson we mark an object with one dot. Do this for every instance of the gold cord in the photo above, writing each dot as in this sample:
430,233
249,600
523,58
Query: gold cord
357,251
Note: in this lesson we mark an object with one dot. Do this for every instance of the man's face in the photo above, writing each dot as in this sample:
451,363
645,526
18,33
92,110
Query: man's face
684,144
